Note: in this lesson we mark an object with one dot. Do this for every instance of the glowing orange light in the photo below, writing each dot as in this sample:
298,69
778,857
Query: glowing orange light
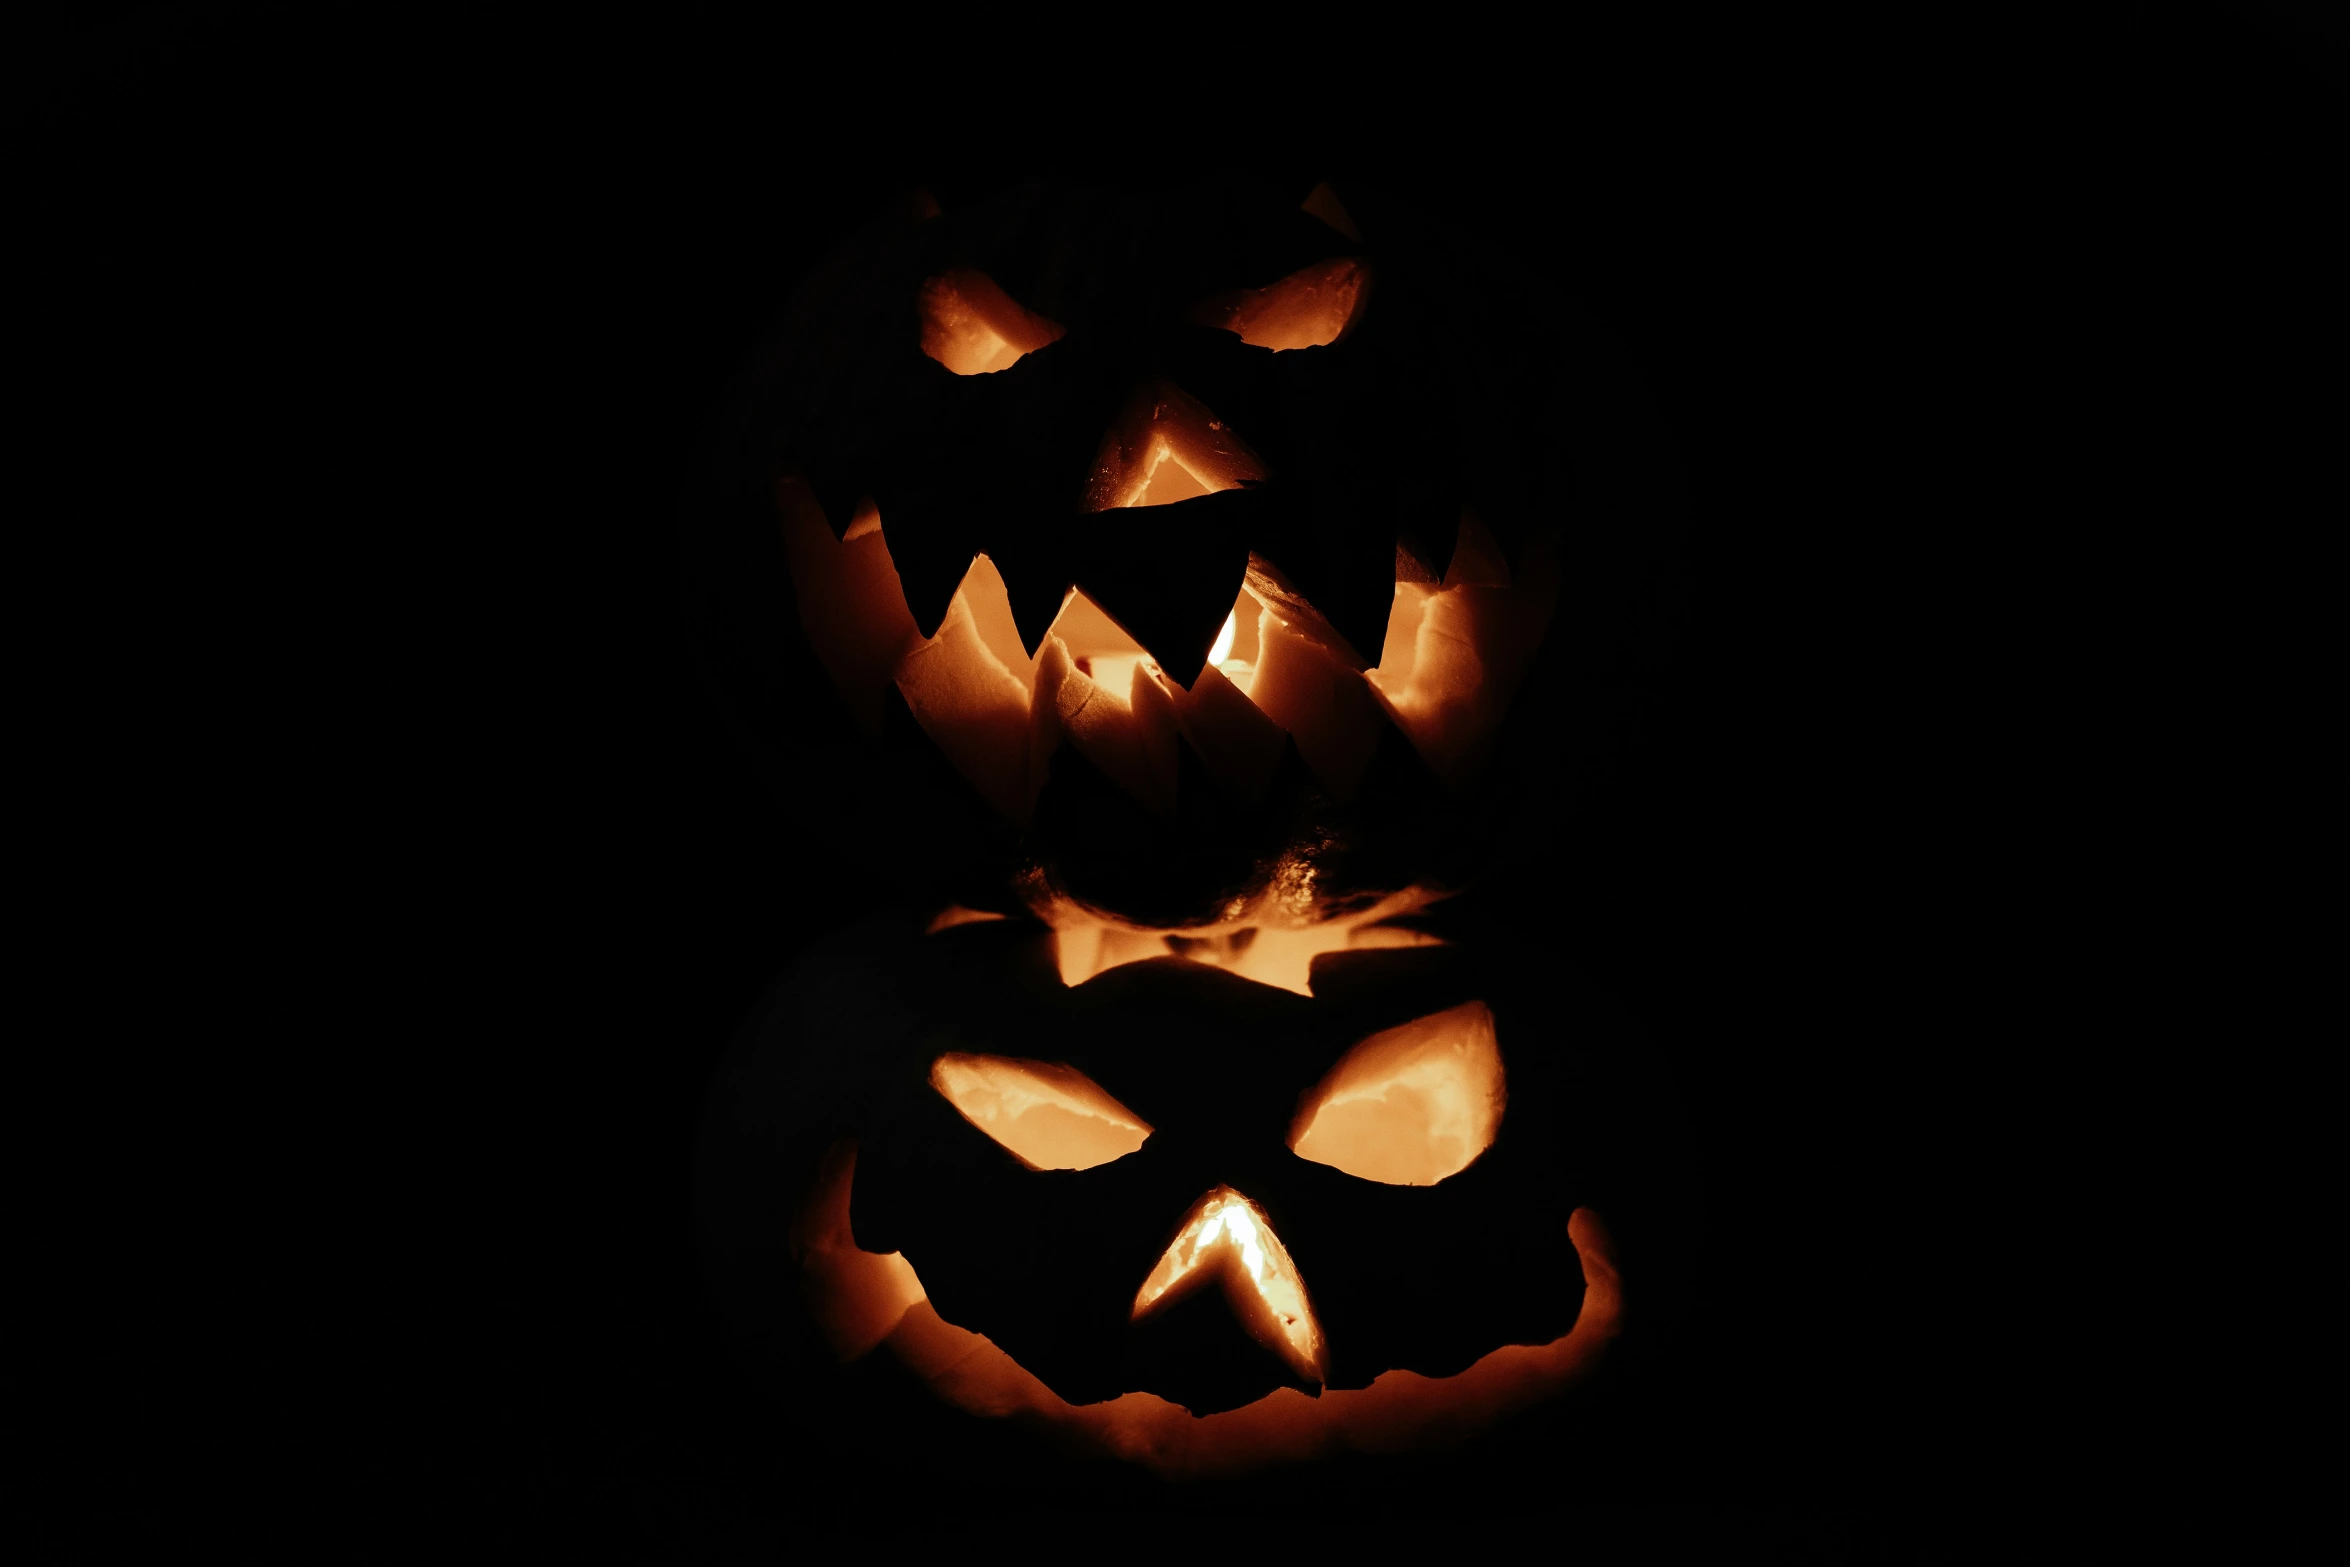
1310,308
1227,1238
1408,1106
1308,679
969,688
1167,446
955,914
1223,648
852,605
1456,651
1051,1117
1272,939
863,1300
975,328
1453,656
1098,690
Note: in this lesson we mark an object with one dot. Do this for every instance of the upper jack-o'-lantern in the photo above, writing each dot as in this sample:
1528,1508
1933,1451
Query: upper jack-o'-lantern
1181,556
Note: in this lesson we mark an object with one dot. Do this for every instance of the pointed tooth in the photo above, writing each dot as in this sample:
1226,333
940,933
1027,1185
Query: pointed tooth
1399,654
1477,559
1122,723
1236,742
991,611
1037,593
1307,681
970,687
931,559
838,493
1163,444
1053,667
1178,621
1273,591
1431,542
1348,586
1455,654
851,606
1174,600
1086,631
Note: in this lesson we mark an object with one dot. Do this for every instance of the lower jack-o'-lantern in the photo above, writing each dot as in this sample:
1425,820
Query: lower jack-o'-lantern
1175,1216
1188,1130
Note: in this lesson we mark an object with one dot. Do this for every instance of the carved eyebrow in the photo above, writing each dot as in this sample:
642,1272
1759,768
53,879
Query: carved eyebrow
974,328
1408,1106
1311,308
1048,1115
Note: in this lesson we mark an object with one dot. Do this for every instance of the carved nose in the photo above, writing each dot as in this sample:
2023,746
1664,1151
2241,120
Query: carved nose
1167,446
1223,1318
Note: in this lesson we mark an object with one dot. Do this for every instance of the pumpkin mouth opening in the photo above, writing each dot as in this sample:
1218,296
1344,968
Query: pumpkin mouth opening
1278,675
865,1301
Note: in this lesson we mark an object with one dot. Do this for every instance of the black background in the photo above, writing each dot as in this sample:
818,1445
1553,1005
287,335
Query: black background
376,351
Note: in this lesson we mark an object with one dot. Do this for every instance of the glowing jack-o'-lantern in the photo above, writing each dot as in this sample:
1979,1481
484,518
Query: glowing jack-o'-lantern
1181,555
1192,1138
1196,1222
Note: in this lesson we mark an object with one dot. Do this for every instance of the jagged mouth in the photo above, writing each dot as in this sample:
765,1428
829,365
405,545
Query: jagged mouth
1453,655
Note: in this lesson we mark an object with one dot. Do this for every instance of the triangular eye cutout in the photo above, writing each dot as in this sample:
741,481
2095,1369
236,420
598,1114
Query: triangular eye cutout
1409,1106
1050,1116
1311,308
975,328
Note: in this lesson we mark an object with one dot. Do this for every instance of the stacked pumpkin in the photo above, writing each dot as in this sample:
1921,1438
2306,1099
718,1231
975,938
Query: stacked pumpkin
1181,556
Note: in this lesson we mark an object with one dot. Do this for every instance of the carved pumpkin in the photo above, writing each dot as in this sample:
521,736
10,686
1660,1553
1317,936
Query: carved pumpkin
1180,557
1177,1216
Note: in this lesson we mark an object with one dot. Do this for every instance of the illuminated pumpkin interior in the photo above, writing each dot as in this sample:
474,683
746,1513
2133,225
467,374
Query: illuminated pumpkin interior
1411,1105
1270,940
1051,1117
975,328
1454,654
1452,657
1456,650
1227,1240
955,914
1310,308
1167,446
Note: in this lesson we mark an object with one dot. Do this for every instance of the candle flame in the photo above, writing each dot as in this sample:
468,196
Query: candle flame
1223,648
